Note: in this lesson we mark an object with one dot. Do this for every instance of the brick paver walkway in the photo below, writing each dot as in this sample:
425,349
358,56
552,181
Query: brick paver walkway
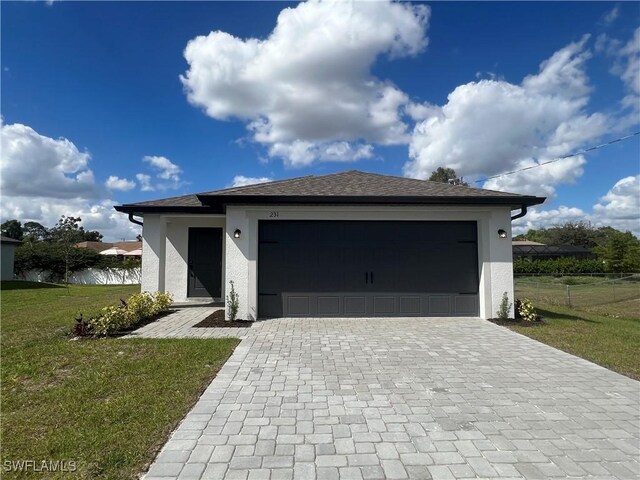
180,325
405,398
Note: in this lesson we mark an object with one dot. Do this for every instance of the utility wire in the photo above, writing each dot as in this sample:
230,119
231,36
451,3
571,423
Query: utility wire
575,154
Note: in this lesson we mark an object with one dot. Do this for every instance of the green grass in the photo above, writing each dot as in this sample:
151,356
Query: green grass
106,404
603,339
613,298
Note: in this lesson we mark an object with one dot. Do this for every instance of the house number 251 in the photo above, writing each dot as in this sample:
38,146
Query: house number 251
274,214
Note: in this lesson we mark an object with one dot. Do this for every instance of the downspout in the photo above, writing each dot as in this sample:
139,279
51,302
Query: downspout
133,220
523,212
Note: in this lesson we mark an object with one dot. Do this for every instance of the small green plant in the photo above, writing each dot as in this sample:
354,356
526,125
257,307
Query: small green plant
233,303
525,310
505,307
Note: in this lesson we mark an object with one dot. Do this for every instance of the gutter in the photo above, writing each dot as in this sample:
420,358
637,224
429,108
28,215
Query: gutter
523,212
133,220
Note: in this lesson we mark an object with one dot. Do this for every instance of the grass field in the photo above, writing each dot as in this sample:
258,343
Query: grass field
106,404
616,298
600,327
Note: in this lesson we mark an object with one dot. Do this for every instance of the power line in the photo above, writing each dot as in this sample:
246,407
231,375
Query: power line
575,154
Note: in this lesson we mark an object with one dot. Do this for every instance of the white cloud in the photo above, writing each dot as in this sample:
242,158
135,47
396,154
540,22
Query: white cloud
167,174
168,170
491,126
536,219
308,86
300,153
44,178
145,182
627,67
117,183
241,181
620,207
611,16
31,164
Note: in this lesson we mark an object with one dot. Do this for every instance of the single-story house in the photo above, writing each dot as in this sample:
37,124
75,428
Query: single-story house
8,249
346,244
541,251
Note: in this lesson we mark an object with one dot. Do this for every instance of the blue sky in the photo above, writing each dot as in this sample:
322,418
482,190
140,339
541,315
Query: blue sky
94,90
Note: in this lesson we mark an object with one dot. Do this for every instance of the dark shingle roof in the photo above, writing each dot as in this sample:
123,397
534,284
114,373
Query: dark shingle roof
346,187
4,239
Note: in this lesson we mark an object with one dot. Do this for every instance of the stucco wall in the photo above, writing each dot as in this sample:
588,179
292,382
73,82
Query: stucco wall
8,251
494,253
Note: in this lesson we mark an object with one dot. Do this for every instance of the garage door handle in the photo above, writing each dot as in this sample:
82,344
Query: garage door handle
366,277
371,278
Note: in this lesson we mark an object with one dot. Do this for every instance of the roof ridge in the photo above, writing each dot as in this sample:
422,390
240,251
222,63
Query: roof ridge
248,187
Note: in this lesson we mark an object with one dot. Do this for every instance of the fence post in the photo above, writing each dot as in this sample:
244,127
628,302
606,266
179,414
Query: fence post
613,287
569,296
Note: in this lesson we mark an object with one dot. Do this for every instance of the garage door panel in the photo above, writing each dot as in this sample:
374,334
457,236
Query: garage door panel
298,305
466,305
358,268
439,305
409,305
355,305
329,305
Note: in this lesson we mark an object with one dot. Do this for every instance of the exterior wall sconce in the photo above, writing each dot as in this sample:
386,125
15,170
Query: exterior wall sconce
501,233
237,233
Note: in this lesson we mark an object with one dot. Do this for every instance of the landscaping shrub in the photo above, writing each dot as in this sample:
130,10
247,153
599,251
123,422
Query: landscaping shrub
505,306
139,307
233,303
558,266
525,310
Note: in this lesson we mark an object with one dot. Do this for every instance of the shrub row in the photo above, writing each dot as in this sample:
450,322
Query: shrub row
139,307
558,266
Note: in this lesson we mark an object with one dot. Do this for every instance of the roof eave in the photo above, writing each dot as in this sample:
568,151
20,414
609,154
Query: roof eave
142,209
219,201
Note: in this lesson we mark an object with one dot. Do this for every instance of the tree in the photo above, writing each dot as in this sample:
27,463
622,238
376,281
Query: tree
620,253
579,234
66,233
91,236
446,175
35,231
12,229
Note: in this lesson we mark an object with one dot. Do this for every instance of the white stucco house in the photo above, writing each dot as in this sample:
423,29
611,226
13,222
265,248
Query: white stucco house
8,250
348,244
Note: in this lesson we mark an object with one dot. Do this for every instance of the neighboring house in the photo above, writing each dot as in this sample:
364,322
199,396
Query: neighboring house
101,246
535,250
8,249
347,244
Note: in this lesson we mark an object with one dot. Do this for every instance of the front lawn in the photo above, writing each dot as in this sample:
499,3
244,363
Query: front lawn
106,404
608,340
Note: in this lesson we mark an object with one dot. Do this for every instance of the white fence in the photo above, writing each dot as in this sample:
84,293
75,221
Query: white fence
91,276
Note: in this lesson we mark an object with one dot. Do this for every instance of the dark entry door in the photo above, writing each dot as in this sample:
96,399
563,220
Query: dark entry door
367,268
205,262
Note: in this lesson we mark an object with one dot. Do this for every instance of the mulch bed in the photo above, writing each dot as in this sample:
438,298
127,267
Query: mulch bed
217,319
516,321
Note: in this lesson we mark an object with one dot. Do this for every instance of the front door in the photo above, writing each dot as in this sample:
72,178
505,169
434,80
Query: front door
205,262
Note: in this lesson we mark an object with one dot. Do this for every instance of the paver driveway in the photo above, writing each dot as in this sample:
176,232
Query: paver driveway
405,398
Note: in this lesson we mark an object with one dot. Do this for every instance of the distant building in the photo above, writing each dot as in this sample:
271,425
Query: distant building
535,250
8,248
100,246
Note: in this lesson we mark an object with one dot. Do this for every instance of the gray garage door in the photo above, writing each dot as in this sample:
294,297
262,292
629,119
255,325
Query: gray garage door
367,268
